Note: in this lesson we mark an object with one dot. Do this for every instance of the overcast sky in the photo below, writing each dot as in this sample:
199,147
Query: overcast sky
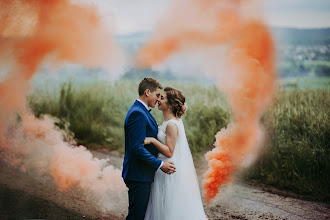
298,13
141,15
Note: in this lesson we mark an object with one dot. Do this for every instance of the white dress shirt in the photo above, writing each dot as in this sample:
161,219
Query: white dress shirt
144,104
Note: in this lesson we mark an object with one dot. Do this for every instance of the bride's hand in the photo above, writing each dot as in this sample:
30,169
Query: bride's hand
148,140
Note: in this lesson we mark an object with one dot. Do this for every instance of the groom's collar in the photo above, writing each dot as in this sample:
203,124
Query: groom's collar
141,103
144,104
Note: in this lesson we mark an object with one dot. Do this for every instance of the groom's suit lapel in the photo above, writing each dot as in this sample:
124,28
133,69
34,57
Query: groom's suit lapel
152,119
147,112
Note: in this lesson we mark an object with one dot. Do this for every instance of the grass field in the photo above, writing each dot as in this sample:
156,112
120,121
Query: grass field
96,112
305,83
297,155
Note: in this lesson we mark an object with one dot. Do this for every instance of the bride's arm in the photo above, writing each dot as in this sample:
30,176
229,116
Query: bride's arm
171,136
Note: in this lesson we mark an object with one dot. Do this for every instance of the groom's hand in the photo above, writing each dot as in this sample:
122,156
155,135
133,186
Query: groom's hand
168,167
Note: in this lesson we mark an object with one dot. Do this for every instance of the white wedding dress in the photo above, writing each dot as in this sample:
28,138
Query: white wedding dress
176,196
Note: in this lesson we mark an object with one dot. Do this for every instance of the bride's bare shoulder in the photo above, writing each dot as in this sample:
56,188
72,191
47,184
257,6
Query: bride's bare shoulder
172,129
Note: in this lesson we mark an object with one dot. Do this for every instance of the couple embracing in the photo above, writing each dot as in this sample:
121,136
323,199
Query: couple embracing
158,168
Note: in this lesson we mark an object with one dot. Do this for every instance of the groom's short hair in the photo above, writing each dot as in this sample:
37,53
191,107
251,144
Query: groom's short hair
148,83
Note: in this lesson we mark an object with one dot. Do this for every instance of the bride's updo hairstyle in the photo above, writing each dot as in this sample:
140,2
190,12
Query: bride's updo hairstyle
176,100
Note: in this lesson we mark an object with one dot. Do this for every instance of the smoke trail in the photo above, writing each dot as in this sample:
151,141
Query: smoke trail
32,31
249,91
247,77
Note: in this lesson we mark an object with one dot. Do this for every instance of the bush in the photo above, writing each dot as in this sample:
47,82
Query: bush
298,151
201,124
95,113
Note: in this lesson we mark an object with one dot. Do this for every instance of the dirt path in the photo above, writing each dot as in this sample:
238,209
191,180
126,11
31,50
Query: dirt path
23,197
241,201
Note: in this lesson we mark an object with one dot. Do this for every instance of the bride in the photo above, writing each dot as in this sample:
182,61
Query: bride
175,196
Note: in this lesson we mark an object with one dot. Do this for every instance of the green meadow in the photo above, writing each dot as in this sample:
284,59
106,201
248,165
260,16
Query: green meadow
296,152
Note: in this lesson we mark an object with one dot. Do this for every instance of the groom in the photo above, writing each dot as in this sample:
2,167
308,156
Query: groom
140,162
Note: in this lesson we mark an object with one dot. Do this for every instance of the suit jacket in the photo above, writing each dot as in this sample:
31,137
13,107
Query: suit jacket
140,162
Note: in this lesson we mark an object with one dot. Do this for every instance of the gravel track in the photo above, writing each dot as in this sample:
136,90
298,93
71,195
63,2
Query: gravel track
25,197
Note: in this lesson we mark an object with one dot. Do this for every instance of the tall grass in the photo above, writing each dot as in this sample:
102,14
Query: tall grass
298,149
297,155
96,112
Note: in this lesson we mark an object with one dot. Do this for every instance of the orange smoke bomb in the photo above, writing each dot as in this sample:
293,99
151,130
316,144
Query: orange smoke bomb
249,79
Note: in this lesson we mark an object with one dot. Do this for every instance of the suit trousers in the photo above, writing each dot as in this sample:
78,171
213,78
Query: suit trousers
138,197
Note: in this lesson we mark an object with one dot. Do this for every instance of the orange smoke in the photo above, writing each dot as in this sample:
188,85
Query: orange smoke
31,32
249,66
209,23
250,60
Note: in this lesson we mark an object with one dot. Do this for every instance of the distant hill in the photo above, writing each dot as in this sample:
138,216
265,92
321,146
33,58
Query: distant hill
301,52
295,36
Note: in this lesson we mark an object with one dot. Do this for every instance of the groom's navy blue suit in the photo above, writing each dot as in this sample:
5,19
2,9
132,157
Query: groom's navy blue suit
140,162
